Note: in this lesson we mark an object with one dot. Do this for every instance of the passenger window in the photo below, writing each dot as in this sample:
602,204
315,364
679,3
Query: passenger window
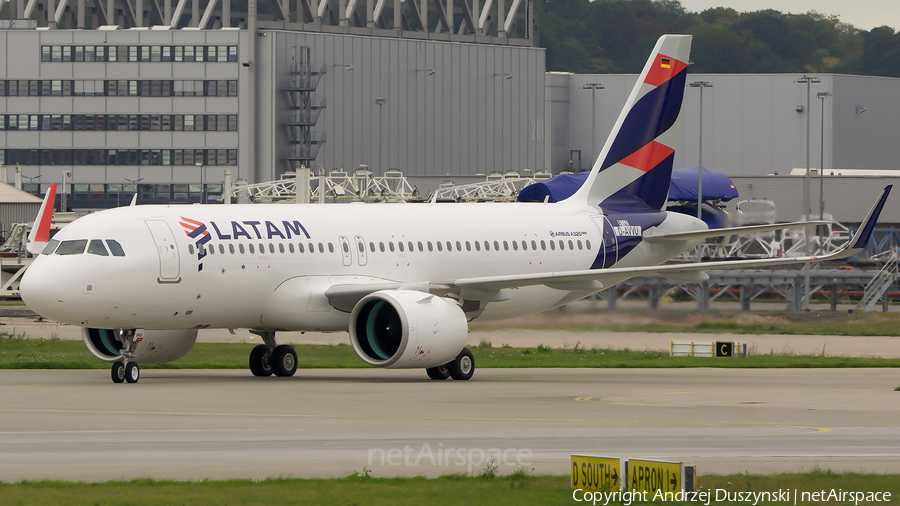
252,249
241,248
115,248
477,246
543,246
579,243
212,250
571,246
430,246
330,248
440,248
72,247
231,248
421,249
300,247
272,248
391,246
515,246
524,246
458,246
291,247
533,245
381,246
587,244
552,245
496,246
50,247
562,244
411,249
281,247
487,246
361,246
468,246
345,247
262,248
371,247
221,249
321,248
312,248
400,245
96,247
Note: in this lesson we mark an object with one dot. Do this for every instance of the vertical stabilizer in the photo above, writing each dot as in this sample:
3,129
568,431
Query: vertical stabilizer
635,165
40,231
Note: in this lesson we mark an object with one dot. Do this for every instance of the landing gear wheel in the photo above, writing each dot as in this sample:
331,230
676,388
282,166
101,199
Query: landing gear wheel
440,372
132,372
284,360
118,372
259,362
463,366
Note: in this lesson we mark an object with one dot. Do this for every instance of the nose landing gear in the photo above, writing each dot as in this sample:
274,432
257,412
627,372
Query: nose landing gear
268,359
126,370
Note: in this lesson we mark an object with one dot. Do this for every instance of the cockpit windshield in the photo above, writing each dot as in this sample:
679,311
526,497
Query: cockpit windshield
78,246
75,247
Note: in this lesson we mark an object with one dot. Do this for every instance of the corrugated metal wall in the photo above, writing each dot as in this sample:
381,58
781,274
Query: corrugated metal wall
452,108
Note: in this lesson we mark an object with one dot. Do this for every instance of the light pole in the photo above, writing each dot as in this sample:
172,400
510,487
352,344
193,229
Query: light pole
822,95
701,85
202,197
134,183
593,87
380,101
807,81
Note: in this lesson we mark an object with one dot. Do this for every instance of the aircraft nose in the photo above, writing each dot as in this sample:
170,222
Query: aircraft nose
37,288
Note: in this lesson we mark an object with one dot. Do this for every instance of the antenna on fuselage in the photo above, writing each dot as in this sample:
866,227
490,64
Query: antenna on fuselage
133,201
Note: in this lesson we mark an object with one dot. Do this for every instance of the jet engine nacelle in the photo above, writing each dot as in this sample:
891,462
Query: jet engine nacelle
402,329
150,346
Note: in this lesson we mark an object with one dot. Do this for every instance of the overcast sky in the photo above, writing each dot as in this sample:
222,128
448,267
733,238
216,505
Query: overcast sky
863,14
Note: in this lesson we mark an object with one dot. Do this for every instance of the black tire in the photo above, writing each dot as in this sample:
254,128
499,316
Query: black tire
440,372
259,362
463,366
132,372
284,360
118,372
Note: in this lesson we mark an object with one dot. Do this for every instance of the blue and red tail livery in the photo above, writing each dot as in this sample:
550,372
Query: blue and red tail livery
635,166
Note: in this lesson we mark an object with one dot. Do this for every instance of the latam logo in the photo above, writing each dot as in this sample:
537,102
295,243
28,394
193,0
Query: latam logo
197,230
626,230
234,230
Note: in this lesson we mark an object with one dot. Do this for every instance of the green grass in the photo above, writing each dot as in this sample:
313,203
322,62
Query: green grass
826,323
17,352
361,489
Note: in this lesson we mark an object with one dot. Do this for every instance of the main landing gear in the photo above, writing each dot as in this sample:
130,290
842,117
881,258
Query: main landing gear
461,368
268,359
122,371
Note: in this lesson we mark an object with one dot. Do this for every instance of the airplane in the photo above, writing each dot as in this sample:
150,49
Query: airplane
404,279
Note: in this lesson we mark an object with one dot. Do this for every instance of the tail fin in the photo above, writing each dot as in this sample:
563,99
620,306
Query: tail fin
635,165
40,231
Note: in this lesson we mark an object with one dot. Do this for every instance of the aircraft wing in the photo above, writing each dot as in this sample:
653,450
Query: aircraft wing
721,232
573,280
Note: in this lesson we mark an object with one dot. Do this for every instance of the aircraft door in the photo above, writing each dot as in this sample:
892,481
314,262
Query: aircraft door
360,250
169,261
609,244
346,252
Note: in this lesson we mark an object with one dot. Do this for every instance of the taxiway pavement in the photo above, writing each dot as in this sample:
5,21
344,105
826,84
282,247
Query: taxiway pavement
187,424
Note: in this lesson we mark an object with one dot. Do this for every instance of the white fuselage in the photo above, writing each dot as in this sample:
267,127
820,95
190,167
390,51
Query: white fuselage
252,250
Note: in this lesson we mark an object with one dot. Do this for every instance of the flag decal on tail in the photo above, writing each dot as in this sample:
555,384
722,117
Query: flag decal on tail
665,63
